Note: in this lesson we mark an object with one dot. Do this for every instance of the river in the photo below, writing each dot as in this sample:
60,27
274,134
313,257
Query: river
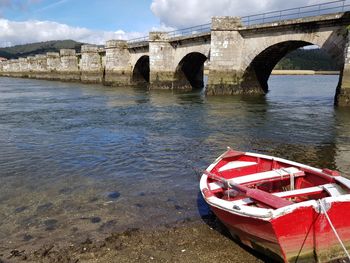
80,161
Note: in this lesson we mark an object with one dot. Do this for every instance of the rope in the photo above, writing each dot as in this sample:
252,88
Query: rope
333,228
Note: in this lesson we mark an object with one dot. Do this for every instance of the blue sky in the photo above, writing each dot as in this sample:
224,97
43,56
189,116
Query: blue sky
96,21
129,15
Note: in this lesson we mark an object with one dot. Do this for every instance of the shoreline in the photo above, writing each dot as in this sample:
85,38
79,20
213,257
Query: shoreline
204,240
303,72
295,72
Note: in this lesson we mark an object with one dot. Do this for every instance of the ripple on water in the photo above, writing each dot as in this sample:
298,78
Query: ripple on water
81,160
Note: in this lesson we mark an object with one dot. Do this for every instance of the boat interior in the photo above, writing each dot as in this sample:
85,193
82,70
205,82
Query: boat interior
270,183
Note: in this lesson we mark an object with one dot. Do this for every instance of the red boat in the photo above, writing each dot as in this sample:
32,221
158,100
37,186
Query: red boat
289,211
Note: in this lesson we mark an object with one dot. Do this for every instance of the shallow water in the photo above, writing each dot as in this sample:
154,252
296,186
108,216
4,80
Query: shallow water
80,161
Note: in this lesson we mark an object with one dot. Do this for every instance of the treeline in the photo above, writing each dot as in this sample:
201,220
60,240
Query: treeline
38,48
307,59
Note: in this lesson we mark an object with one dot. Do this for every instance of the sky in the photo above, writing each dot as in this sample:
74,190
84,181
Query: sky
96,21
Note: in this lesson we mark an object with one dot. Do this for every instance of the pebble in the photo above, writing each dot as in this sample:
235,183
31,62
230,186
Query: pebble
95,219
114,195
51,224
44,207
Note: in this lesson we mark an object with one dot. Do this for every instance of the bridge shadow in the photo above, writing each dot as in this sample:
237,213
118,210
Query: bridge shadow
214,223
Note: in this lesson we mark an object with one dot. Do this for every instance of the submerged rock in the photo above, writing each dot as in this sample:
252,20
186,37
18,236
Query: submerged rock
44,207
113,195
51,224
27,237
20,209
95,219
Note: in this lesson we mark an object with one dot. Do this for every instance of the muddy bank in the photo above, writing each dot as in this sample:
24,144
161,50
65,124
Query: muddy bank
194,241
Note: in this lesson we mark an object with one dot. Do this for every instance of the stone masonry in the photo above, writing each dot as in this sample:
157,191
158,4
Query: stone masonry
342,96
91,65
118,69
69,69
240,58
53,65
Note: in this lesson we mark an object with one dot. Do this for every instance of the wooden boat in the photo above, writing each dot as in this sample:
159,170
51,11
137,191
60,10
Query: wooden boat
289,211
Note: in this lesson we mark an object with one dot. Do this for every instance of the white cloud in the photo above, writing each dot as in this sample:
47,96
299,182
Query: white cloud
179,14
13,33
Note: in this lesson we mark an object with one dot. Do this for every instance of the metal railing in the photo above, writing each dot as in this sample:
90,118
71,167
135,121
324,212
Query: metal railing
205,28
298,12
138,40
274,16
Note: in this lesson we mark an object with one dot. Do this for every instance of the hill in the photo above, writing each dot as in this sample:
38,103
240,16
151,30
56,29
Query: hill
307,59
38,48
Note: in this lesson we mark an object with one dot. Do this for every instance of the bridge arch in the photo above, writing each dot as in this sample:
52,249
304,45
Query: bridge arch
141,70
259,63
190,70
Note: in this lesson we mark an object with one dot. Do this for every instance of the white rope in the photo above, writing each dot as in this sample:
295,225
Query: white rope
333,228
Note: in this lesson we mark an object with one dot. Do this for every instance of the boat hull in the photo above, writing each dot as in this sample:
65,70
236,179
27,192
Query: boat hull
304,235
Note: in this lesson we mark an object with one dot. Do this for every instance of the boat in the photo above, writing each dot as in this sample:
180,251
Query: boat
289,211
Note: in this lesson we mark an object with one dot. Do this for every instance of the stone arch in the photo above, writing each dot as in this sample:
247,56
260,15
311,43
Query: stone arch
141,70
258,65
190,70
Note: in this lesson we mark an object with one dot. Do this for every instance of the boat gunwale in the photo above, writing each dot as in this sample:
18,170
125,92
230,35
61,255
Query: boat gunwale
269,213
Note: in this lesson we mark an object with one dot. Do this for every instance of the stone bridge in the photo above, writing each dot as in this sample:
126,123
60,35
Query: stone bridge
240,58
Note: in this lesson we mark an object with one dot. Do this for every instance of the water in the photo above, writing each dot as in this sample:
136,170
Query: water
80,161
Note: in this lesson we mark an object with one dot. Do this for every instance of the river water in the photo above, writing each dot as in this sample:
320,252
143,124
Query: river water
80,161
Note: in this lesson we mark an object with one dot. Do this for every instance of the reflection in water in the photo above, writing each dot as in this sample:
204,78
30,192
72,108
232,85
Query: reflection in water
85,160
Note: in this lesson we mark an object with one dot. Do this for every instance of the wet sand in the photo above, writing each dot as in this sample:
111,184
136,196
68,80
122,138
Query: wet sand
188,241
303,72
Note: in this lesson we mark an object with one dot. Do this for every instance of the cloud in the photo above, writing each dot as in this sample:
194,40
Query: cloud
179,14
14,33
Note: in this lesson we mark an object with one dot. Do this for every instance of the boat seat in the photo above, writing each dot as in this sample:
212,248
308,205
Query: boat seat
300,192
331,189
283,173
235,165
215,186
268,199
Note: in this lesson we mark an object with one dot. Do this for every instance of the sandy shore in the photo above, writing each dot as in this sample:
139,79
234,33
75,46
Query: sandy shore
190,241
295,72
303,72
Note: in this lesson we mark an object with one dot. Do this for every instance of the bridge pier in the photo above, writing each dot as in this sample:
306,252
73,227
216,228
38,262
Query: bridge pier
342,96
69,69
91,65
23,67
31,66
118,71
225,72
53,64
162,68
41,67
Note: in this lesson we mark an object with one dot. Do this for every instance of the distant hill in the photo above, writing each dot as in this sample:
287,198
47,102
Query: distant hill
307,59
38,48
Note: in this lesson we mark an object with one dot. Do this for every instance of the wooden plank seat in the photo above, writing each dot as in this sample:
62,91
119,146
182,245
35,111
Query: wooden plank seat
331,189
215,187
235,165
267,198
278,174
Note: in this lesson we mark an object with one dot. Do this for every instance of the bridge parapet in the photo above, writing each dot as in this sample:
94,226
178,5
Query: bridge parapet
339,6
139,42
